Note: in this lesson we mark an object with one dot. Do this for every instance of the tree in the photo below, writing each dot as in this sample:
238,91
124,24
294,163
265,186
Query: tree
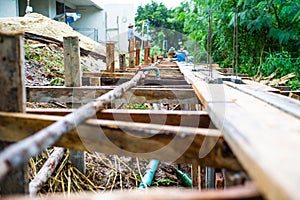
163,24
267,27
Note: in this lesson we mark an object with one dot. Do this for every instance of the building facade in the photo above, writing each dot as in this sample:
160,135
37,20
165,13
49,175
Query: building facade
101,22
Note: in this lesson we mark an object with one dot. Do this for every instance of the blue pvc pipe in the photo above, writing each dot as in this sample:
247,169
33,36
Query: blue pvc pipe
157,72
149,174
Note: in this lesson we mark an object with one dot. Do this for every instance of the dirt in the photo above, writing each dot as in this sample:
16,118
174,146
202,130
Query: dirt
41,25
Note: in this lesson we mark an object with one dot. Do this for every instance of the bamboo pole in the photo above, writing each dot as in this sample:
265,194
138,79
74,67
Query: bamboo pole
18,153
46,171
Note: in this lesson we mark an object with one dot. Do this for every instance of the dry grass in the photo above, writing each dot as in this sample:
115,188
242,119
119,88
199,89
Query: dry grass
103,173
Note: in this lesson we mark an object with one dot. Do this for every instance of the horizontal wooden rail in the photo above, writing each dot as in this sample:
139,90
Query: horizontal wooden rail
248,191
118,81
198,119
127,75
87,94
150,141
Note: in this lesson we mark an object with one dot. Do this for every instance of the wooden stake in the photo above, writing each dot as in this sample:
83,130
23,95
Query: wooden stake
138,52
12,99
122,62
72,62
131,53
146,52
110,57
73,79
196,172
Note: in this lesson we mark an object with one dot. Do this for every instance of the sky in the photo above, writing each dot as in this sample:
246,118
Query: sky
168,3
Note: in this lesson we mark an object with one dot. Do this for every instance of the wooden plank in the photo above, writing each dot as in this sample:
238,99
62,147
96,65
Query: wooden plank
72,61
110,57
198,119
286,104
126,75
87,94
259,86
265,139
248,191
149,141
118,81
12,99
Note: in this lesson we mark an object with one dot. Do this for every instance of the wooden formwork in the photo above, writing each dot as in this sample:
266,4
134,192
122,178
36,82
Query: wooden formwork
260,127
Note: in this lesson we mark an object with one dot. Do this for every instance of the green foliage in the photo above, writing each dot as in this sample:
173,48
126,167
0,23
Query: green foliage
138,106
282,63
164,24
271,25
166,180
49,59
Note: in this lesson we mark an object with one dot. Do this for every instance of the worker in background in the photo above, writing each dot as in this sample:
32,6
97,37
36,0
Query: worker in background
172,53
182,55
130,34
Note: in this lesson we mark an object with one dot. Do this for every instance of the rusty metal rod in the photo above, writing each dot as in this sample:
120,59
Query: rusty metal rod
16,154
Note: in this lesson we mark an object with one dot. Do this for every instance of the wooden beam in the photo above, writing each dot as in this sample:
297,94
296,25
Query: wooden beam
138,52
12,72
110,57
248,191
131,53
87,94
122,62
283,103
265,138
118,81
73,79
146,51
198,119
127,75
72,61
12,99
149,141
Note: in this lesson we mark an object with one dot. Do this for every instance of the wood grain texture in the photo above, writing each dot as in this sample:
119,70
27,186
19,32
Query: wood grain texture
198,119
87,94
150,141
240,192
72,62
263,136
110,57
12,99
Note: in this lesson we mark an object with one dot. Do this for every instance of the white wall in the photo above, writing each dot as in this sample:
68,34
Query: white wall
52,9
91,17
41,7
126,13
9,8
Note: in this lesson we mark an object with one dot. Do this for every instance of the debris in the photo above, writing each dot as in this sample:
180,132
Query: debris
38,24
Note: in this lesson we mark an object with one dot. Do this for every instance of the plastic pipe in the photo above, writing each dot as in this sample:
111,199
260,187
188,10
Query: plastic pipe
157,74
149,174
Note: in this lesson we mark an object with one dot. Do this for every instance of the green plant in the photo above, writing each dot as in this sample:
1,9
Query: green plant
138,106
163,181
